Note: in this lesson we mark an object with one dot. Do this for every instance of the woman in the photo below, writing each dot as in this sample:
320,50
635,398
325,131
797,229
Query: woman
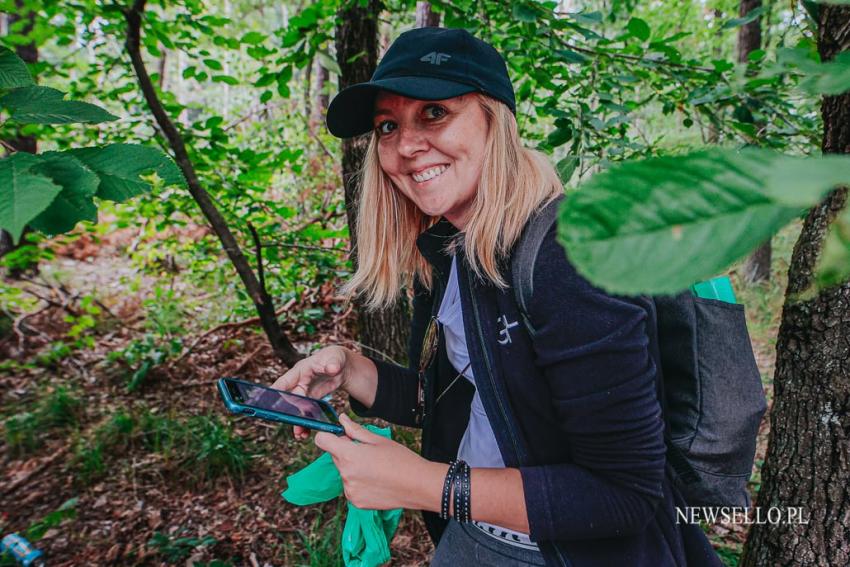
562,429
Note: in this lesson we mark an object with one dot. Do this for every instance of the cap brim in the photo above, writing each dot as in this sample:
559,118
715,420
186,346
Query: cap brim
350,112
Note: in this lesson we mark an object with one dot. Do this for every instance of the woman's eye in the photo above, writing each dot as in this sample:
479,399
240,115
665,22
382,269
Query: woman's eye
385,127
435,111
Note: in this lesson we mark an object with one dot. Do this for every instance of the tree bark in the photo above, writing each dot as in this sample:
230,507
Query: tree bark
321,100
757,266
281,346
425,17
808,456
386,331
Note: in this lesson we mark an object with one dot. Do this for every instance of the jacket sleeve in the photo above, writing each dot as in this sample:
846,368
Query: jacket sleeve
594,353
396,396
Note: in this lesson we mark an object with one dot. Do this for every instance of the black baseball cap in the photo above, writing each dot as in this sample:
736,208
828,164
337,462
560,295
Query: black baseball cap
426,64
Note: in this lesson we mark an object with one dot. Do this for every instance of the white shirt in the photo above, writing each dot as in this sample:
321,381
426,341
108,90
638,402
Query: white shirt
478,446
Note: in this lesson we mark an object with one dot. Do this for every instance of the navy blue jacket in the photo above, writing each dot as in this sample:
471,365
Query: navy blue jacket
575,407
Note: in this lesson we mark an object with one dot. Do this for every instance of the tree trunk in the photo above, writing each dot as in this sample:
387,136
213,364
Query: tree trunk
757,267
29,53
320,104
425,18
386,331
808,455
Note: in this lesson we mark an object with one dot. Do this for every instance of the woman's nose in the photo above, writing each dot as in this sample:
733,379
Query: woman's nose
411,141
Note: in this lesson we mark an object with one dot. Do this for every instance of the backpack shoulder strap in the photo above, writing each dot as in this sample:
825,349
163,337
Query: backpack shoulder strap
525,255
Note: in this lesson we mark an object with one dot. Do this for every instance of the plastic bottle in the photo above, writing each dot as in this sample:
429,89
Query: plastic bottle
22,550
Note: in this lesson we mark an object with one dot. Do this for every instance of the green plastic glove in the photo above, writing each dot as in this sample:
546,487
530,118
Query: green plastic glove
367,534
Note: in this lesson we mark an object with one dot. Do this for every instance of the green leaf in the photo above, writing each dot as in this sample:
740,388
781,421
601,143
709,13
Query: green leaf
43,105
751,16
571,56
524,13
213,64
253,38
661,224
559,136
639,28
23,194
225,79
74,203
119,166
566,167
328,62
13,70
833,266
831,78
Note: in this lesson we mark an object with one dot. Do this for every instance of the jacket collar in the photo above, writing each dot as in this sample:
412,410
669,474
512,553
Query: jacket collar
433,242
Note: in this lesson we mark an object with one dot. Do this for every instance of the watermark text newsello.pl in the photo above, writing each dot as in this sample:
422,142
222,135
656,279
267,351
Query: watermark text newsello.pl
742,515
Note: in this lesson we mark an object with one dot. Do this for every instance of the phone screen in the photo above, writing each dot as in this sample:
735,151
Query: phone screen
282,402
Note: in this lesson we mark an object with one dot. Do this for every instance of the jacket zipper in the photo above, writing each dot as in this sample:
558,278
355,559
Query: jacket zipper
480,334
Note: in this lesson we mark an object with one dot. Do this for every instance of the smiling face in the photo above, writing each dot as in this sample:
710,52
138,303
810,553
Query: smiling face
433,151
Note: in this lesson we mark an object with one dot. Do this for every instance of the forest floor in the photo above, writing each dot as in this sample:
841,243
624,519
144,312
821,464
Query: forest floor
100,475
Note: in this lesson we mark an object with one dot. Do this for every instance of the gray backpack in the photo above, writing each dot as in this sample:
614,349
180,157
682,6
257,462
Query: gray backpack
709,384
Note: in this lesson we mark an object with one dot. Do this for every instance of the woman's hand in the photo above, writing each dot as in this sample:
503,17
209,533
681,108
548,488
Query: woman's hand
316,376
379,473
329,369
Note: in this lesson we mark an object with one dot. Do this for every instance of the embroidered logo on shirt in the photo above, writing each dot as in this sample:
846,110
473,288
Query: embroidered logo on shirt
505,332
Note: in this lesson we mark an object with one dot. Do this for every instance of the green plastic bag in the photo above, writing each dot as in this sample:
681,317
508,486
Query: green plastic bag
367,534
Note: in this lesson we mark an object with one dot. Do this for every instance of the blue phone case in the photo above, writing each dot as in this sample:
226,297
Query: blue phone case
269,415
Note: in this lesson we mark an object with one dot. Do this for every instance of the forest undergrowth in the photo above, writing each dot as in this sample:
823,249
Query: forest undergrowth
116,450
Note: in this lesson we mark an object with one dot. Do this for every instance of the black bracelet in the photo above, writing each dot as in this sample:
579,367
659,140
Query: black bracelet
447,489
461,494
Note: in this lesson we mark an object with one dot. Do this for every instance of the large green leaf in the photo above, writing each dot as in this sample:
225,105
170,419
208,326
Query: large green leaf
23,193
74,203
13,70
120,166
662,224
43,105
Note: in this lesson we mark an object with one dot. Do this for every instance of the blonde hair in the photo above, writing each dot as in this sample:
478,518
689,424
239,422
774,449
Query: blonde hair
515,182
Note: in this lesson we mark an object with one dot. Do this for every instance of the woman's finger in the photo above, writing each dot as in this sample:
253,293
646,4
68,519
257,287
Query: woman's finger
356,431
330,442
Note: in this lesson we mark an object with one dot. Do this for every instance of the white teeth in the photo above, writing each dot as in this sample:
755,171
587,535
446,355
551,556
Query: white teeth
429,173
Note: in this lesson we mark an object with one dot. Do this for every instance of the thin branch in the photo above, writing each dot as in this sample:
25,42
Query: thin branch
282,347
258,251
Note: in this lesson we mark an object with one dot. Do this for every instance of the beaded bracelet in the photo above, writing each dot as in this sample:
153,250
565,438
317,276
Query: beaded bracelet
447,489
461,494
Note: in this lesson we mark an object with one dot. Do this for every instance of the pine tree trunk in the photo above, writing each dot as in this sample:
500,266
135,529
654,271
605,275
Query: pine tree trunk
808,456
757,267
386,331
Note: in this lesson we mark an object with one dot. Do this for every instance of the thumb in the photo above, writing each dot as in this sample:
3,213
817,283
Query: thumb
356,431
330,443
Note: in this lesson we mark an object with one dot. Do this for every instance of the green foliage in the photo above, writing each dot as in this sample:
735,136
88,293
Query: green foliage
23,193
67,511
43,105
321,544
83,324
143,355
53,192
216,449
56,410
13,71
91,454
662,224
176,548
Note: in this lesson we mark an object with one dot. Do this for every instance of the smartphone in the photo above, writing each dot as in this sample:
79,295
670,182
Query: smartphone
275,405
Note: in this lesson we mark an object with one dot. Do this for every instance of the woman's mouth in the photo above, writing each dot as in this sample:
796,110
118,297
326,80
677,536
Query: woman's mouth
429,173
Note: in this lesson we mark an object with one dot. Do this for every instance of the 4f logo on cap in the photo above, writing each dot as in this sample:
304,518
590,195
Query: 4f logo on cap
435,58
